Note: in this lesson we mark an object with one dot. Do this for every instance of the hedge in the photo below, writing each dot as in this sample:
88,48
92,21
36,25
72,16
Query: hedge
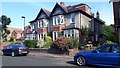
31,43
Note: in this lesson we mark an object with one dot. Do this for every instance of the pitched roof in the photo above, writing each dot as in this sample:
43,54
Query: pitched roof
47,13
17,30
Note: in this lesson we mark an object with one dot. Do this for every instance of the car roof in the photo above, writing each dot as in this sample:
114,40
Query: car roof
16,45
111,44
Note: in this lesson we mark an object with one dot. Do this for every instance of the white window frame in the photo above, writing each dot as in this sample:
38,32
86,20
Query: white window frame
44,23
61,18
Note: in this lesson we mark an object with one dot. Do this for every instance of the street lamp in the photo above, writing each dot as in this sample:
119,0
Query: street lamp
24,26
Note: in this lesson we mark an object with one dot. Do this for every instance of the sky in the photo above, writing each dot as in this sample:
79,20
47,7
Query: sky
30,10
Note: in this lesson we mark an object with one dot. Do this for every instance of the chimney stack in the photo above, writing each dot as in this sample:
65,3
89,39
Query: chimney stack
62,3
97,15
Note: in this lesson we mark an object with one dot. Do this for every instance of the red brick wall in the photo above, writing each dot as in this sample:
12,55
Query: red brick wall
42,30
86,9
58,28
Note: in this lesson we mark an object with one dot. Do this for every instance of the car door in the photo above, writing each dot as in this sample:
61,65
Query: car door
6,50
104,55
10,49
116,50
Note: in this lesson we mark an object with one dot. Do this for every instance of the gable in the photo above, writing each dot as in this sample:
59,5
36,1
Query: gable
41,14
58,10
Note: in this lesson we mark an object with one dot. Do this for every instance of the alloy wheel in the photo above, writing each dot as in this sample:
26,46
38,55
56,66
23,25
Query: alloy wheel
13,54
81,61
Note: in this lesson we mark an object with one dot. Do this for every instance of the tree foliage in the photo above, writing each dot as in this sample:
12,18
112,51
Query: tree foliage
109,32
48,42
4,20
72,43
31,43
61,43
84,33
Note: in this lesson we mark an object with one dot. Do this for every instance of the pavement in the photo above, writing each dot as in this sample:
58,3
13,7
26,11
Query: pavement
50,55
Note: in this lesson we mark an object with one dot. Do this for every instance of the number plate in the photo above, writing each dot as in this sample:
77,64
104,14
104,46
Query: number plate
25,52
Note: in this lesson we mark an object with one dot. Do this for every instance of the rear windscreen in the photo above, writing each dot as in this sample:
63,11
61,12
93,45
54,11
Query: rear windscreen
18,45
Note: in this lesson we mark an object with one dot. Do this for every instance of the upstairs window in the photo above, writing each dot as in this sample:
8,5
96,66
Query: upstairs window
57,20
62,19
72,18
54,21
44,23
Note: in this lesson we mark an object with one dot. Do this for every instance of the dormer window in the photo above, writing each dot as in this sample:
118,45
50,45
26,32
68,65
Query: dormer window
72,18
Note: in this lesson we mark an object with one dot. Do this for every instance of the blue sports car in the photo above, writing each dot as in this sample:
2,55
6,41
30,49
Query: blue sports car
106,55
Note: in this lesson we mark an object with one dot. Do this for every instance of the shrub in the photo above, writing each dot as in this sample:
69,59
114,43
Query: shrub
48,41
109,42
72,43
61,43
31,43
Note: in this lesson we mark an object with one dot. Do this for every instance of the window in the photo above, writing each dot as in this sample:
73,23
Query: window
42,36
61,19
73,18
58,20
116,48
105,49
54,21
39,24
14,35
55,35
44,23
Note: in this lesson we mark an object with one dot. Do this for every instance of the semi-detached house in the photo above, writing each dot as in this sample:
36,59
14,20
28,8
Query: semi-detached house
66,21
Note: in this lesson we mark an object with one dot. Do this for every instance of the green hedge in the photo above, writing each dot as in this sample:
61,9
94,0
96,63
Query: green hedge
31,43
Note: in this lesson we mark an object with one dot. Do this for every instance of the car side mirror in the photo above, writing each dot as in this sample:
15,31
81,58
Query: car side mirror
114,51
95,51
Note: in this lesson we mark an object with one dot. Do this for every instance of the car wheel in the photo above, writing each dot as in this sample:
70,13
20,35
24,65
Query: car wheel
13,54
81,61
2,53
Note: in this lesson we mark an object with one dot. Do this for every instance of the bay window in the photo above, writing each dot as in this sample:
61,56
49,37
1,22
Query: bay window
57,20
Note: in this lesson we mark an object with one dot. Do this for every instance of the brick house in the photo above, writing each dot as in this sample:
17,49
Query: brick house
15,33
67,21
116,9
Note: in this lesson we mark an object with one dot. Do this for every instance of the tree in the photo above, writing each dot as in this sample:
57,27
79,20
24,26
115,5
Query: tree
109,32
84,33
4,20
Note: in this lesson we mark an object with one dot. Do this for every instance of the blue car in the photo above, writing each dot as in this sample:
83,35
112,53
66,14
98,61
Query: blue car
106,55
15,49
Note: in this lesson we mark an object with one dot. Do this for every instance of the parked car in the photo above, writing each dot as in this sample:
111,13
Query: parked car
15,49
106,55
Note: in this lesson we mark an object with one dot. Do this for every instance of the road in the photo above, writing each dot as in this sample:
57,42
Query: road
37,61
